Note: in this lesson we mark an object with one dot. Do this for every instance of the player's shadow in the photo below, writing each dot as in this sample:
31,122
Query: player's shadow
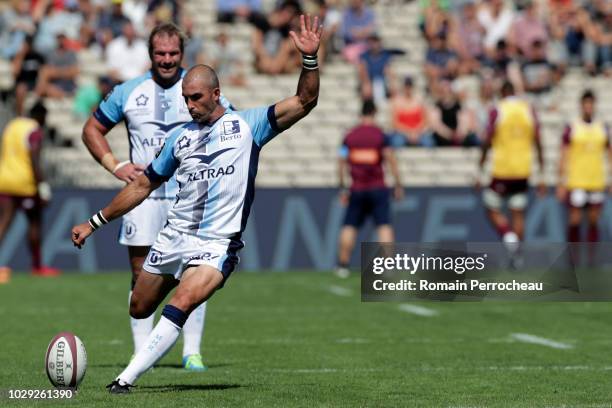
187,387
123,365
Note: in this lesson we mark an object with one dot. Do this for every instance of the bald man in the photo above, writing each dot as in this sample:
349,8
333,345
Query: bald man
152,106
214,159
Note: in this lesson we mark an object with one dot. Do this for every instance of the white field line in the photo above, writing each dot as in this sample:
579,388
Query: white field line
353,340
437,369
418,310
339,290
542,341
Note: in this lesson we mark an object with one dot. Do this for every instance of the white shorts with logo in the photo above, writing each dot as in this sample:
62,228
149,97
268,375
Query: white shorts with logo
140,226
175,251
580,198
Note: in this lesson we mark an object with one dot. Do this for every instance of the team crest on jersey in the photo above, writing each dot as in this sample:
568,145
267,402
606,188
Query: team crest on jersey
183,142
142,100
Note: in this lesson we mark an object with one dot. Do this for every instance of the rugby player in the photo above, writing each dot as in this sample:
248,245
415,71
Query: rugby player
363,151
512,132
582,177
214,158
22,184
151,106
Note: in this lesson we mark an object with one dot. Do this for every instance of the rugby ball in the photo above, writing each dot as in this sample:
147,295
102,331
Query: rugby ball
66,361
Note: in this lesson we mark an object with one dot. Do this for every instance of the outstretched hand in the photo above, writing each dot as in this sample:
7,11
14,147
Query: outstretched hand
309,38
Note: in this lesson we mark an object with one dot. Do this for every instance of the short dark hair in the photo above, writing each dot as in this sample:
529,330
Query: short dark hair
507,88
368,108
170,30
38,111
587,94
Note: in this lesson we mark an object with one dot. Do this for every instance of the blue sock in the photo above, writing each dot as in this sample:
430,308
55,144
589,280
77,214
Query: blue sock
175,315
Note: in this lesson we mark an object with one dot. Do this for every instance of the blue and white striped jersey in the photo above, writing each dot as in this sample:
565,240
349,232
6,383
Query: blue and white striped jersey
215,167
150,112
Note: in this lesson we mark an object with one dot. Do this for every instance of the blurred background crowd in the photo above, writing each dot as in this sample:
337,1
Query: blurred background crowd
530,43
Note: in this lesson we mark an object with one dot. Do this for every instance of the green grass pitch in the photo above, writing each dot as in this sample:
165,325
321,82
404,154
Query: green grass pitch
305,339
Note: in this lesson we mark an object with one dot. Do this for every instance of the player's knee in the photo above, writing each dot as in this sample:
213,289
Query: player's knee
140,309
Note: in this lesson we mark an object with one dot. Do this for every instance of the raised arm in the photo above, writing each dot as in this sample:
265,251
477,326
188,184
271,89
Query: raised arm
290,110
128,198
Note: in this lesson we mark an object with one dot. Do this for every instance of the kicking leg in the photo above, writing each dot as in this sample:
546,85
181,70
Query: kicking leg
196,286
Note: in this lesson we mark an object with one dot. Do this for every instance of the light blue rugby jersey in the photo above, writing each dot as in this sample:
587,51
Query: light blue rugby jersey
150,112
215,167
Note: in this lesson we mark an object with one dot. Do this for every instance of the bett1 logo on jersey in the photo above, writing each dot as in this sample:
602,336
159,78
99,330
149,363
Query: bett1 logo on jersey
66,361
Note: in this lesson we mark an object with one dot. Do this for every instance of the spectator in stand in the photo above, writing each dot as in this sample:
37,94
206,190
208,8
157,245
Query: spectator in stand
482,105
358,23
54,22
501,67
89,18
558,25
496,20
274,50
526,29
111,22
127,47
467,37
16,23
537,74
435,18
332,21
249,10
57,79
166,11
451,124
375,73
136,12
194,44
409,118
440,61
597,51
226,61
26,65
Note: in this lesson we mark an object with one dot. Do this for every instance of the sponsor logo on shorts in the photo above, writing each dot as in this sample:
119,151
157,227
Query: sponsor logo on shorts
206,256
155,257
130,229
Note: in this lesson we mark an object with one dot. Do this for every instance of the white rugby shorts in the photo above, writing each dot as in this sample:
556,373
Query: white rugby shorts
580,198
140,226
495,201
174,251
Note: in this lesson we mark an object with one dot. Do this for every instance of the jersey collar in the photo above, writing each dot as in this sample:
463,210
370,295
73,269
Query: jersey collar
179,77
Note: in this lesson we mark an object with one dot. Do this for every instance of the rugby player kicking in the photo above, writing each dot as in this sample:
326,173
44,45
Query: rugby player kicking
214,159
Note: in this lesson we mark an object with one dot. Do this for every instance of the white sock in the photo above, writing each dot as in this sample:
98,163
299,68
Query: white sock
161,339
511,241
194,330
141,328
